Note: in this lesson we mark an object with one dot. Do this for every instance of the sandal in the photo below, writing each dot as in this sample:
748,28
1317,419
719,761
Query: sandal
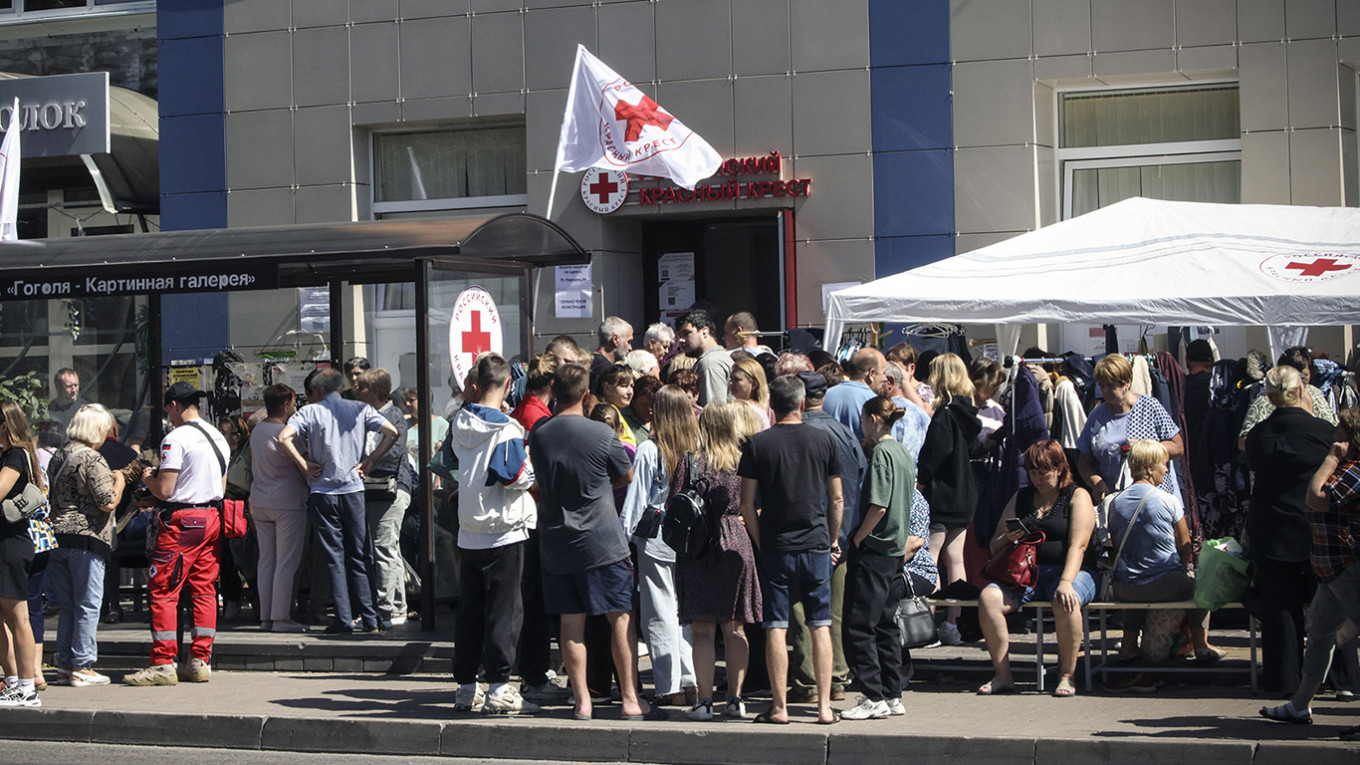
1287,713
765,717
1065,690
835,718
995,687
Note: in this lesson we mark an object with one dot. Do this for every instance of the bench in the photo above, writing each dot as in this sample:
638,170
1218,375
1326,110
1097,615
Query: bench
1101,607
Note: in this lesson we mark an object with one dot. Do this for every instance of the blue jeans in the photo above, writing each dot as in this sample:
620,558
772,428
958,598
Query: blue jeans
342,534
75,584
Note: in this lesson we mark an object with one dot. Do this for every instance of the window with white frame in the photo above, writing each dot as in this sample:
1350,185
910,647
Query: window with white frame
429,171
1180,144
36,10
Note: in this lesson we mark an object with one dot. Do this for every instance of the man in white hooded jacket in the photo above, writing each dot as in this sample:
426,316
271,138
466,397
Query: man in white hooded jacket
495,513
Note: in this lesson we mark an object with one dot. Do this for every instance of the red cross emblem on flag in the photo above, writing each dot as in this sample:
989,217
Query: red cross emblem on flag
604,191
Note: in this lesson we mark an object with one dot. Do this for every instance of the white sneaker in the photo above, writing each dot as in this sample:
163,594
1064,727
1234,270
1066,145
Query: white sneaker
866,710
398,620
84,678
736,708
949,634
16,697
895,707
465,701
508,702
701,712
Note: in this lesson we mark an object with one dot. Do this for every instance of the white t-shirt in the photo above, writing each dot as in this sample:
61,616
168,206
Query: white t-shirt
200,474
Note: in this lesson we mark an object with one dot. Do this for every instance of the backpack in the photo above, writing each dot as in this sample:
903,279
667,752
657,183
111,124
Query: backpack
687,528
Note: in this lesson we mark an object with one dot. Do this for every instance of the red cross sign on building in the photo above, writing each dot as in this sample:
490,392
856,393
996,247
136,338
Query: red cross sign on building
474,328
604,191
1311,266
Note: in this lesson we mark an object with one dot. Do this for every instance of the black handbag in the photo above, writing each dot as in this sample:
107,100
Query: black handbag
915,622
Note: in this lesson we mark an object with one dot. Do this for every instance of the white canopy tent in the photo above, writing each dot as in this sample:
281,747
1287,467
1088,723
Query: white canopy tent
1140,261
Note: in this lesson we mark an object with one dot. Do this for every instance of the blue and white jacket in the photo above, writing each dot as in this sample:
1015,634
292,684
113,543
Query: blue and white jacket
494,473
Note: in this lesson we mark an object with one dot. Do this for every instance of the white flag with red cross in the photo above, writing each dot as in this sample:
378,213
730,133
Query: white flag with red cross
612,125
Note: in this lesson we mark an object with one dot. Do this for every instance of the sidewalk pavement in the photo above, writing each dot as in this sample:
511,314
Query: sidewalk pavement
413,714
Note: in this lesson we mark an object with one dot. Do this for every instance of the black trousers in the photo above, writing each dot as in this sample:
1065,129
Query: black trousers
873,588
535,635
1285,589
490,612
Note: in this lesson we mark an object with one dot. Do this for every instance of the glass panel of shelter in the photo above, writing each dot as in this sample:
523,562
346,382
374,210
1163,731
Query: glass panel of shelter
444,280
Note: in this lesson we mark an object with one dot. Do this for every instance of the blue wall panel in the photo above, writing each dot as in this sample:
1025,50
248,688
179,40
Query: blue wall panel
193,150
913,133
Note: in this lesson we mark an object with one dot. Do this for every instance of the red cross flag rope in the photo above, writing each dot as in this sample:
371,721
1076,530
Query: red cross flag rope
610,124
9,178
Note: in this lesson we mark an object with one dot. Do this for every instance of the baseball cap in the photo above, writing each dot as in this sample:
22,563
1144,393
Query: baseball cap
183,391
814,383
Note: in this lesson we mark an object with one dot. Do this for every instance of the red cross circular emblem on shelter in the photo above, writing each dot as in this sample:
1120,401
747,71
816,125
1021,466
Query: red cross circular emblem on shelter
1311,266
604,191
474,328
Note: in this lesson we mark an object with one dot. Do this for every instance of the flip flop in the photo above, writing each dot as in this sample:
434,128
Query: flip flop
835,718
653,714
1065,690
582,716
1282,714
994,688
764,717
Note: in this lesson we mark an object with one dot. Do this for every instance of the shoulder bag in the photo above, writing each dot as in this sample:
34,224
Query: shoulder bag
232,511
1107,569
1017,566
28,502
915,622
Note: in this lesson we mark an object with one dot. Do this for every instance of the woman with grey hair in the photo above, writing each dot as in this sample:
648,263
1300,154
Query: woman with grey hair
83,493
643,363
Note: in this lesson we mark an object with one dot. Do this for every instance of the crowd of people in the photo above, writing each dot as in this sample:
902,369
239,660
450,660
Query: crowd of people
828,491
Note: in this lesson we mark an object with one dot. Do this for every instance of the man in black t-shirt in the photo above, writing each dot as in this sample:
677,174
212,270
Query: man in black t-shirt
792,467
586,569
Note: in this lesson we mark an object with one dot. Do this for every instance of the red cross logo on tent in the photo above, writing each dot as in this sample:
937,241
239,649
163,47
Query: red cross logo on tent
1319,267
604,191
638,116
1307,267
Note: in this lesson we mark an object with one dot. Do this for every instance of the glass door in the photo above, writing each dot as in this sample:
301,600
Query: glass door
467,306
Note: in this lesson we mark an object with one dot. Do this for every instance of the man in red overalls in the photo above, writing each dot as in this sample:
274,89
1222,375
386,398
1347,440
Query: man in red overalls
189,486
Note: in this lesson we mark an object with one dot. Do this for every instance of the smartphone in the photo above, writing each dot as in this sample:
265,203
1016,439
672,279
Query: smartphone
1015,524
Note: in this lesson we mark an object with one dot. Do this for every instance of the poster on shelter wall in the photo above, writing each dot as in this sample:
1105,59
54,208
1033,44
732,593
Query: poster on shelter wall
575,291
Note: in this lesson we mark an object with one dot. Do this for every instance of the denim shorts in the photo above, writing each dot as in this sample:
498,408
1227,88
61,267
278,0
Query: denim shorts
1084,585
604,590
805,576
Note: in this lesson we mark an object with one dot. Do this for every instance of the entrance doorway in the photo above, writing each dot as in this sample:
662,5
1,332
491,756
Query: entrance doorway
738,266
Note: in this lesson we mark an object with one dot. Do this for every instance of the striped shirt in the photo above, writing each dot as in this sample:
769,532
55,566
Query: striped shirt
1335,540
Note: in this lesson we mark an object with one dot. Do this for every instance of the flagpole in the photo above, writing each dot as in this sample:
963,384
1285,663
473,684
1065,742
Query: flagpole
552,192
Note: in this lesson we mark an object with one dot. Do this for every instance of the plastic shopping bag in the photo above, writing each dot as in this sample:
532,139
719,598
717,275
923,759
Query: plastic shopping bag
1223,575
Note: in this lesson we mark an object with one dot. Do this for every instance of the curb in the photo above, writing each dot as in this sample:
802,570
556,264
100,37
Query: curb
608,741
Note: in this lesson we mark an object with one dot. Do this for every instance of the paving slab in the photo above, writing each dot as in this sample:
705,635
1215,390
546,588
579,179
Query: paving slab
413,714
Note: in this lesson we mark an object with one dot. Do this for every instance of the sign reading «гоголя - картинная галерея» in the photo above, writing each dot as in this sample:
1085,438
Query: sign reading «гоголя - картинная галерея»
38,285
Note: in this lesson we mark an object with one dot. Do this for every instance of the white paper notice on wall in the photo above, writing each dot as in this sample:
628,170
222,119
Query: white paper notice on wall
574,290
675,267
676,297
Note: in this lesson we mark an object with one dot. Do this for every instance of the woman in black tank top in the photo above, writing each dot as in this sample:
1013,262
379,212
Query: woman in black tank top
1063,511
